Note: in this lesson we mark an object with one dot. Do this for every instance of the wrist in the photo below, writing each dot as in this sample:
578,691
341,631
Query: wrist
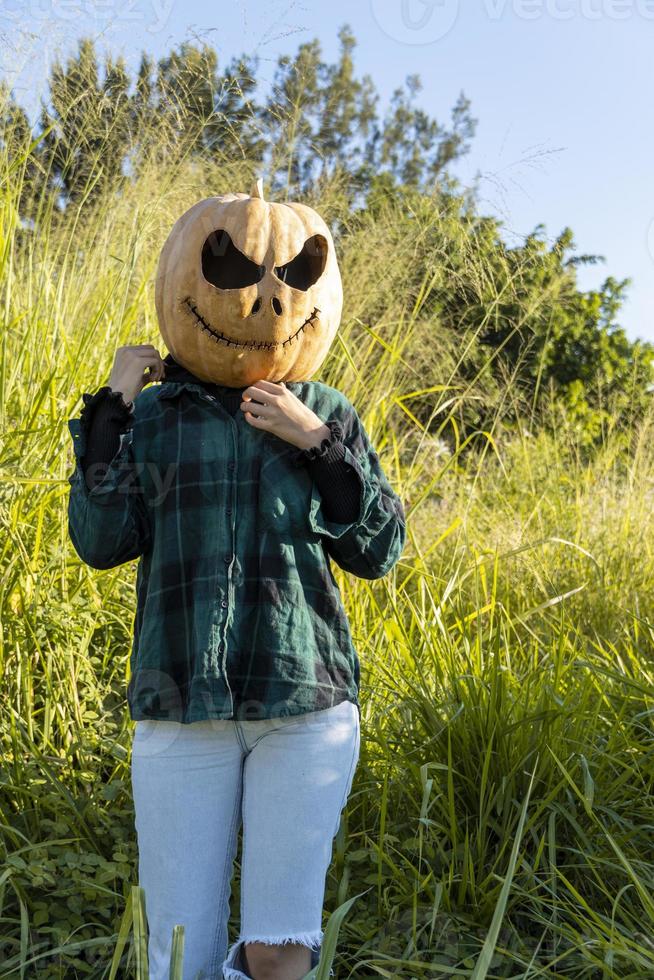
326,449
314,438
127,396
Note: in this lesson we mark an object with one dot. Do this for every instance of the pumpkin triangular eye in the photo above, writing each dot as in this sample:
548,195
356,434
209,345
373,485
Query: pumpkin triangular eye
225,267
307,266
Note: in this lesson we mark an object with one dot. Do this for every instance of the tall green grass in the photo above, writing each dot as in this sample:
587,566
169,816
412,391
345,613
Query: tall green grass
500,821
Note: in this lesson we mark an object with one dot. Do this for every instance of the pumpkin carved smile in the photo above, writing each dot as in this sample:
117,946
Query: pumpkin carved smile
259,279
220,337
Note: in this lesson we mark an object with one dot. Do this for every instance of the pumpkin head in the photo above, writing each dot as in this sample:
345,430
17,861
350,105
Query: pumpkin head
249,290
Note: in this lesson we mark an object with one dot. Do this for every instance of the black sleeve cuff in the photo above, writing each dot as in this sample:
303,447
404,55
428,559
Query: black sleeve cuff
323,449
337,481
112,404
104,416
339,487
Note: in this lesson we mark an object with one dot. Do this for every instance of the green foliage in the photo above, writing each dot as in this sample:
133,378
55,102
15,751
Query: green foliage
514,327
317,119
89,121
499,822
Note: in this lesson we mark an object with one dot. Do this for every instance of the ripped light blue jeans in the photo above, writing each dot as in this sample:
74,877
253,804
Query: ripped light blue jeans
286,780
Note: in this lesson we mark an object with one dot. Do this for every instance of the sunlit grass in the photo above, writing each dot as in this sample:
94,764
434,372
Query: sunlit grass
500,818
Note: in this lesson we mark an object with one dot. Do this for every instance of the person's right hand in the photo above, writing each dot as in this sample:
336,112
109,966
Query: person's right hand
130,363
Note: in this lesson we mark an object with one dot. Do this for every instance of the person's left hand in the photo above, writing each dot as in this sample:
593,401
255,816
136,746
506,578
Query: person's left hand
273,408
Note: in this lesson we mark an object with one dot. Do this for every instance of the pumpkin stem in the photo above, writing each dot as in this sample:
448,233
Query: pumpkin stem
257,189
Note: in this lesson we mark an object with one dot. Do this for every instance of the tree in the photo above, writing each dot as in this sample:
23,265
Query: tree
17,146
320,117
413,147
89,121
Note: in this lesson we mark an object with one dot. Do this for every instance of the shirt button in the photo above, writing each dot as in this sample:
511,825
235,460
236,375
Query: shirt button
224,603
227,559
230,466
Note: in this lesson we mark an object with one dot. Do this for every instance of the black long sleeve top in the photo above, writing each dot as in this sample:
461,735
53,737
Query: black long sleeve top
105,415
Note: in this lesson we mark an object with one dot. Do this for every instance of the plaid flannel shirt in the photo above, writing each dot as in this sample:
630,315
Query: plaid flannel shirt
238,613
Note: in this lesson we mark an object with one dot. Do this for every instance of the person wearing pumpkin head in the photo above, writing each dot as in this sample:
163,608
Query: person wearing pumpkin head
234,479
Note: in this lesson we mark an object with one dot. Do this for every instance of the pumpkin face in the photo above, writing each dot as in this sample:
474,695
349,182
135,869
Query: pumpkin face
249,290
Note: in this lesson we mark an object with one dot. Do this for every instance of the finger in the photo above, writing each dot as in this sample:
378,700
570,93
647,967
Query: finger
152,373
259,397
149,360
260,411
153,364
256,420
270,387
161,370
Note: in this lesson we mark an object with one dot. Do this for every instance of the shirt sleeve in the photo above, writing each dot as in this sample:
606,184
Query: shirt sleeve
371,543
337,482
104,416
108,523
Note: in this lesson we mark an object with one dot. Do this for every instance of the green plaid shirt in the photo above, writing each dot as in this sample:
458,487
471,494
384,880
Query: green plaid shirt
238,613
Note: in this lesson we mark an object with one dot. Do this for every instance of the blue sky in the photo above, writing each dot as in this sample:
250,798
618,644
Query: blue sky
562,91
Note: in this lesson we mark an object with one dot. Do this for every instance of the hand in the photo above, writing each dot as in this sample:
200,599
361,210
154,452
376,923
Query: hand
272,407
130,363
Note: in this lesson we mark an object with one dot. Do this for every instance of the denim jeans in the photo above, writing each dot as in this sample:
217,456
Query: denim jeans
286,780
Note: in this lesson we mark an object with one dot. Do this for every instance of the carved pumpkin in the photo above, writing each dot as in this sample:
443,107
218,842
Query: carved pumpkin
247,289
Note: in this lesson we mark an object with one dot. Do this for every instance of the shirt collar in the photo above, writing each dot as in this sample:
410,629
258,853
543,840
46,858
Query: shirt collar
178,378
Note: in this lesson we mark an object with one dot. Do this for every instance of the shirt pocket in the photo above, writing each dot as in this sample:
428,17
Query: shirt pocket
284,492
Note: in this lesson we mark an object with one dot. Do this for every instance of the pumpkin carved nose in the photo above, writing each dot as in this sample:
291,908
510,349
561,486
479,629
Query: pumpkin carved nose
276,305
